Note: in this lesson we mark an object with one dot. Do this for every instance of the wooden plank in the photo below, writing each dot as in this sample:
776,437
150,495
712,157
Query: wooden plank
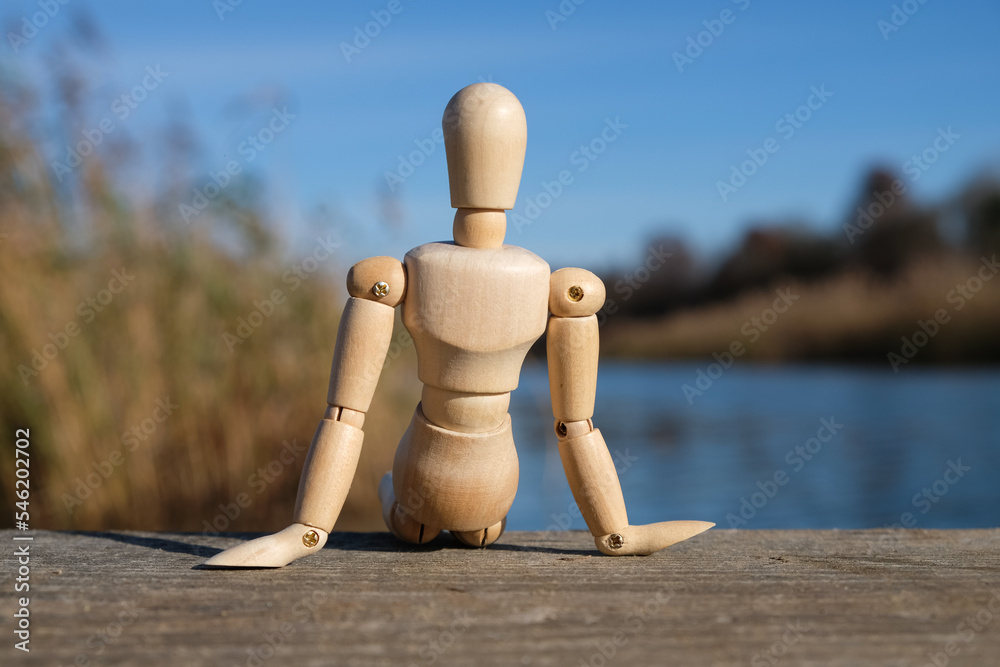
725,597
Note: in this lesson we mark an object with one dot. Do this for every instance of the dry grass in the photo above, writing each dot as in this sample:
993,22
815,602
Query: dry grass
161,339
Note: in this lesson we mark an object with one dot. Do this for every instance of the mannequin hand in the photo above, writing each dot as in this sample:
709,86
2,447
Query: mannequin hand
275,550
644,540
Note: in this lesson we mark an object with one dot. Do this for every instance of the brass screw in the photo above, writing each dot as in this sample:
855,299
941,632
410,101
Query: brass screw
575,293
380,289
616,541
310,539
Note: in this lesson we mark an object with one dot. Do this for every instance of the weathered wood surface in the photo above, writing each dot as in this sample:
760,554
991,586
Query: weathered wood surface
881,597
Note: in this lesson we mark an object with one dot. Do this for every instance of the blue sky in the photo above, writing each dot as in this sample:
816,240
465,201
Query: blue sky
684,130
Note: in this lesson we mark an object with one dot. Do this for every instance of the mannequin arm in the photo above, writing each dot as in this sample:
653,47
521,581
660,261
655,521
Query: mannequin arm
362,342
572,349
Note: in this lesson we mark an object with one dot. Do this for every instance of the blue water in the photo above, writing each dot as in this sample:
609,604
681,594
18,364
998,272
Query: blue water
920,448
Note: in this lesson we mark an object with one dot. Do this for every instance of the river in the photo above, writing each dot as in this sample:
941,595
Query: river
777,446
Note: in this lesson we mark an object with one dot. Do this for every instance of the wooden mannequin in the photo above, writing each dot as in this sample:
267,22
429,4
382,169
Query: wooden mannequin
473,307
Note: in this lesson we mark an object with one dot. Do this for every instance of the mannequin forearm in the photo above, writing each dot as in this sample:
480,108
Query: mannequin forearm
362,342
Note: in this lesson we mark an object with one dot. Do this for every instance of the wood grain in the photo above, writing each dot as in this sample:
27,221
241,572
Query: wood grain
462,411
453,480
593,479
479,227
366,274
883,597
572,349
327,473
485,137
473,314
362,342
575,293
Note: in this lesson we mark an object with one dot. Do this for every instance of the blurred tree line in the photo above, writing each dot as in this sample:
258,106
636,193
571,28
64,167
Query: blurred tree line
884,241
